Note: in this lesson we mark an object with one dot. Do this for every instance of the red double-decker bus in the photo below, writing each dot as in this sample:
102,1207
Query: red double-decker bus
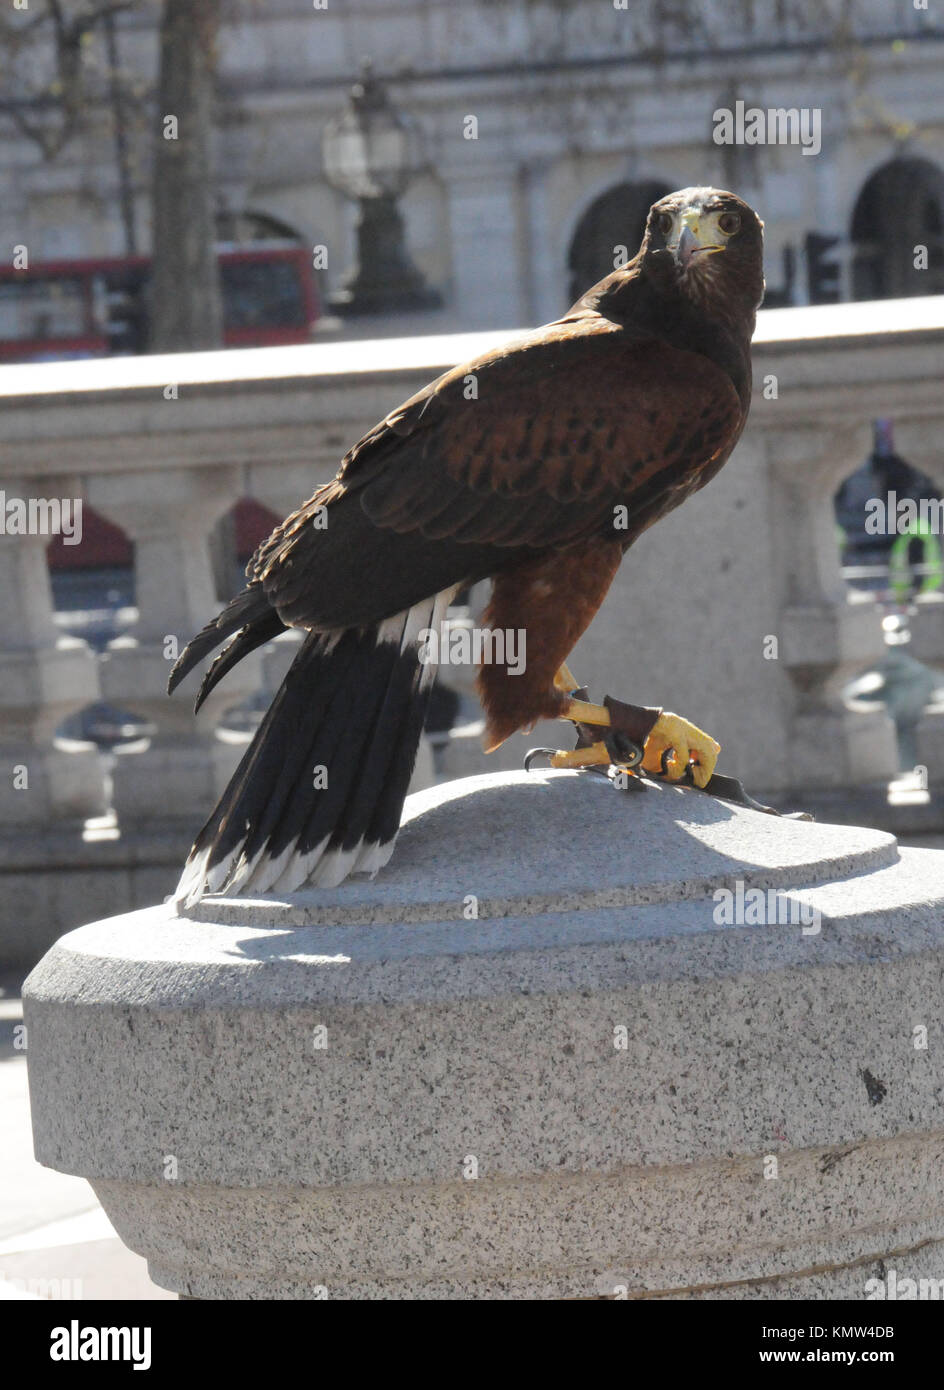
99,308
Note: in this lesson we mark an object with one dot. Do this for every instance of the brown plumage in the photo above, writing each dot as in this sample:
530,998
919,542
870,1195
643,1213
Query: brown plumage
536,464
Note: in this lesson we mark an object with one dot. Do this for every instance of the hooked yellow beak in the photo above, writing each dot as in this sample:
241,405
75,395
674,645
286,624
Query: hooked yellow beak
699,234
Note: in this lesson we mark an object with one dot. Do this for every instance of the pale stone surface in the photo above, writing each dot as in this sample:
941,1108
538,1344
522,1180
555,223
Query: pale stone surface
453,1042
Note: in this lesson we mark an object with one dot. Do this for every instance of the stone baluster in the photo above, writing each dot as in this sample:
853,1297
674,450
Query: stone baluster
918,442
44,677
169,516
828,636
927,645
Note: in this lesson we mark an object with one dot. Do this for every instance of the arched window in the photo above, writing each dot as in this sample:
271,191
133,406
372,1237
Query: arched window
900,207
616,218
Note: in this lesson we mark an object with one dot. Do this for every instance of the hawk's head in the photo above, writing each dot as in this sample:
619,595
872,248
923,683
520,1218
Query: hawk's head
709,244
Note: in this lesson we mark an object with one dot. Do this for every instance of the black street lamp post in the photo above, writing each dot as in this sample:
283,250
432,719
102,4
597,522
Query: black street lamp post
370,151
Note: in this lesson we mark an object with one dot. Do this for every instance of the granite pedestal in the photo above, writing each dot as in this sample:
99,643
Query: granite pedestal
531,1059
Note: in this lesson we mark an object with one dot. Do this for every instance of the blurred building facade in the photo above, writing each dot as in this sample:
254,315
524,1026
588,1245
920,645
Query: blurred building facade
548,128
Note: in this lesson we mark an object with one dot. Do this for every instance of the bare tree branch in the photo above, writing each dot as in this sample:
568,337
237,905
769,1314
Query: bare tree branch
66,94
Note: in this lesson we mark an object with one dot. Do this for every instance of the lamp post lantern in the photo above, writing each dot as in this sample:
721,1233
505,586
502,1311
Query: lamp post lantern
370,151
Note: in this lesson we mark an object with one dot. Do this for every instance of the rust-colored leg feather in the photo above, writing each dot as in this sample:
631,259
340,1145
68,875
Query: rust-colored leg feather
552,599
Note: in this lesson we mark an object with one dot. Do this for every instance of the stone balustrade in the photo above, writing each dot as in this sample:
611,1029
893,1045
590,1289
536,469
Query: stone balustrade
731,611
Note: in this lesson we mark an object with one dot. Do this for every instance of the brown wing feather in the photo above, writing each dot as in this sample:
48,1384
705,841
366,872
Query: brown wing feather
562,427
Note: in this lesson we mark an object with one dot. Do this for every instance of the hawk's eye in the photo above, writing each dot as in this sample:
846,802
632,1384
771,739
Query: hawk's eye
729,222
664,222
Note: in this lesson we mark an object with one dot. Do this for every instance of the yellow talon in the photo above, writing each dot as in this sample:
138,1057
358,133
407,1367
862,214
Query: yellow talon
688,743
593,756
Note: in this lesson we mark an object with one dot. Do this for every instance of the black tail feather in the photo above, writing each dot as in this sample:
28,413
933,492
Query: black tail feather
289,741
245,641
248,609
390,756
353,705
346,724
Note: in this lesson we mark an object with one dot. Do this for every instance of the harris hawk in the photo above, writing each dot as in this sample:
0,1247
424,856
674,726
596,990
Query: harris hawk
536,465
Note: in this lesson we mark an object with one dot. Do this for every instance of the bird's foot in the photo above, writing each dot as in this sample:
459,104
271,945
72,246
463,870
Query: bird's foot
601,742
629,737
594,755
615,751
670,744
604,755
674,745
